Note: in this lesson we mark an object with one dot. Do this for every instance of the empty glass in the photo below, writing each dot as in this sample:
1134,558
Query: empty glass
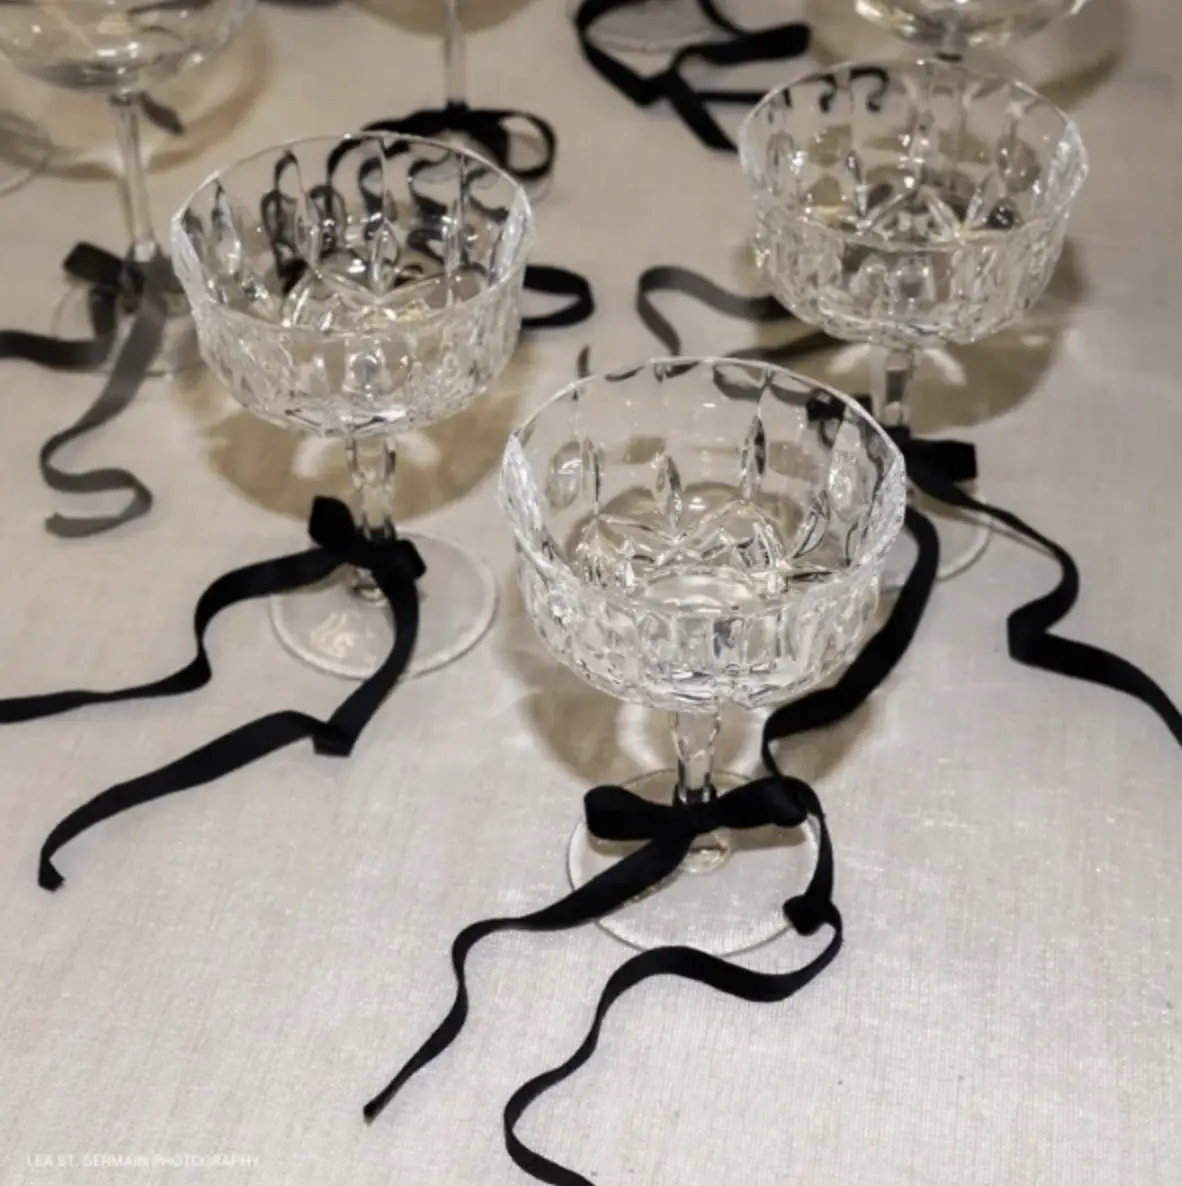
949,28
119,49
359,288
909,205
690,534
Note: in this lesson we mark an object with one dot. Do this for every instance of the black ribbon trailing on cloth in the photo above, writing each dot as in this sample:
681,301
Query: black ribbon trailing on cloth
492,130
114,285
395,564
668,832
614,813
735,46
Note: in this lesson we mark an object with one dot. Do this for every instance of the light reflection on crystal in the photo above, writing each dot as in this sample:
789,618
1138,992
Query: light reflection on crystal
701,574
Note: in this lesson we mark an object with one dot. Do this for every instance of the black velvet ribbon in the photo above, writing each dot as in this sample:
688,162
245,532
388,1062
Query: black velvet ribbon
395,565
735,46
114,286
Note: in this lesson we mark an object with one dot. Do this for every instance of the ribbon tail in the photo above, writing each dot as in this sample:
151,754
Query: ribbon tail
807,913
611,889
1028,630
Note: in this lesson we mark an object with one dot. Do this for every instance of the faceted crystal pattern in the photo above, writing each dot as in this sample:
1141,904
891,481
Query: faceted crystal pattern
115,47
908,204
697,532
370,284
954,25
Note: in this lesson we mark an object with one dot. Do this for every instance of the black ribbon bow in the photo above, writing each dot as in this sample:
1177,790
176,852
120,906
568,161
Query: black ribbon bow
614,813
114,284
396,566
734,47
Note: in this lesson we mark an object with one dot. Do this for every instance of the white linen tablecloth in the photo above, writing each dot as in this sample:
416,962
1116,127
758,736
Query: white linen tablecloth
234,970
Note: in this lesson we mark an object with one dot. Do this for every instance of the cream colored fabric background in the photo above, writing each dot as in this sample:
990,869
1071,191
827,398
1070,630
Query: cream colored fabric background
235,970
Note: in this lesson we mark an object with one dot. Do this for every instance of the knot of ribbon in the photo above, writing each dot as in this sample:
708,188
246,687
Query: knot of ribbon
732,46
388,558
615,813
113,285
395,564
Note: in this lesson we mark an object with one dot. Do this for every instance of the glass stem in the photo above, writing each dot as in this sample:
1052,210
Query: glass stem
952,46
694,735
133,182
371,466
892,383
455,80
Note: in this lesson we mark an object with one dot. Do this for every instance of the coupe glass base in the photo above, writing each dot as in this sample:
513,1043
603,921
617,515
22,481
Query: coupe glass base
721,906
652,26
332,628
963,540
178,347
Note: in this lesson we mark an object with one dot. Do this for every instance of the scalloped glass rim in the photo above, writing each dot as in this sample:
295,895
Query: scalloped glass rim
557,569
752,161
182,242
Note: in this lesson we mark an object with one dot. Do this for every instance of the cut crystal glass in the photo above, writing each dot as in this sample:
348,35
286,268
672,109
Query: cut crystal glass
694,533
361,287
910,205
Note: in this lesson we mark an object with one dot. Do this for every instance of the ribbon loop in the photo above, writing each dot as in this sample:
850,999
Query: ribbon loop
736,46
396,566
616,813
331,527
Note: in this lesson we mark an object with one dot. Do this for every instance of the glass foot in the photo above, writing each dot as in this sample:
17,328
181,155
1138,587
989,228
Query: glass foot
963,540
728,897
24,149
331,628
653,26
178,348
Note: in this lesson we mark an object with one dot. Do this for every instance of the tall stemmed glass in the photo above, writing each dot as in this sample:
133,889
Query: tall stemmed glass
359,288
120,49
949,29
690,534
908,205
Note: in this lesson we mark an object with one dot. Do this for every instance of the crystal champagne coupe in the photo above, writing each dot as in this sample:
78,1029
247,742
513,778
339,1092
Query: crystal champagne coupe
119,49
949,29
910,205
692,534
359,288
